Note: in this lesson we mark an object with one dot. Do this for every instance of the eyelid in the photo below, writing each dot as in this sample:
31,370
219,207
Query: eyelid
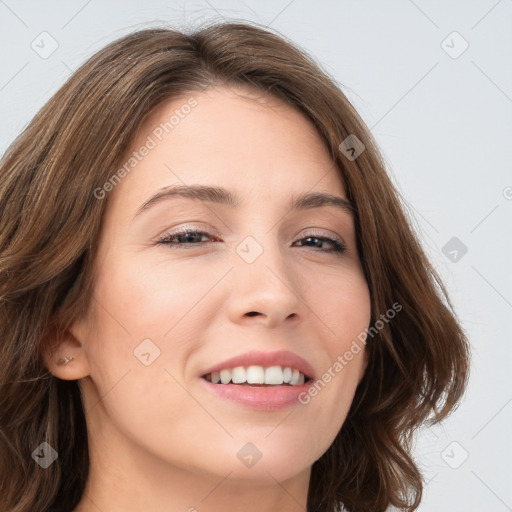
338,244
320,232
189,227
211,231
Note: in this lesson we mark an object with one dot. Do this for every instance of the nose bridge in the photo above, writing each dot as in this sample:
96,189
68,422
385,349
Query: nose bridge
264,281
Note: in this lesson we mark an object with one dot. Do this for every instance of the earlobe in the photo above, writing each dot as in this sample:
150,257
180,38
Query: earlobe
64,356
66,360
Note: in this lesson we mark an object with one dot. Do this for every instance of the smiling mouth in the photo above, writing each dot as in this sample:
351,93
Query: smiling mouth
258,376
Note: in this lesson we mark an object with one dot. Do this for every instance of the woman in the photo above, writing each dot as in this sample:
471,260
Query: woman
211,296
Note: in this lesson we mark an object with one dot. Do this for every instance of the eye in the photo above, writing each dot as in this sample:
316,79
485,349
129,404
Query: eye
180,239
193,237
337,245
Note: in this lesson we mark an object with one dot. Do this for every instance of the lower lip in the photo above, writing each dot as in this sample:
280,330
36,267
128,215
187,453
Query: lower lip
269,398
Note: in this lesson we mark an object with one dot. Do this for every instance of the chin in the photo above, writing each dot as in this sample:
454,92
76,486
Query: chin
278,469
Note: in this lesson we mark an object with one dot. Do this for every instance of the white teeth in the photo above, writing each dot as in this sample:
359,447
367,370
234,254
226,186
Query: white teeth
272,376
225,376
255,375
238,375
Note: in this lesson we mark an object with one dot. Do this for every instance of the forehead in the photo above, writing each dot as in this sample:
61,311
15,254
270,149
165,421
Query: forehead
233,137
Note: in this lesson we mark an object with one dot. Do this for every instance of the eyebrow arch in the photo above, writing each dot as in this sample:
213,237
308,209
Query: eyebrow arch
220,195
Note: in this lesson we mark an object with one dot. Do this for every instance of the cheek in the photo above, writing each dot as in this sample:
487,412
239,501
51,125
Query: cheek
329,398
152,299
146,323
150,404
342,303
344,308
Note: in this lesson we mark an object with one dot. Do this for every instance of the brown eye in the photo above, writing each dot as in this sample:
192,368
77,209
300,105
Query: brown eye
183,238
337,245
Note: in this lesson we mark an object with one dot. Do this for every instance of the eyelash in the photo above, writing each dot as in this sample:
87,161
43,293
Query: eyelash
338,246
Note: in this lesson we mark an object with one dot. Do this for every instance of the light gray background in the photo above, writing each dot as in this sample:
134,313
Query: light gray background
444,125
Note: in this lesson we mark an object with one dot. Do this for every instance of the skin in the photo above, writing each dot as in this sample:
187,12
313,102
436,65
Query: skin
158,440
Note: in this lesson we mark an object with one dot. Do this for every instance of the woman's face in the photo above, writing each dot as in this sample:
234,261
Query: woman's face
259,277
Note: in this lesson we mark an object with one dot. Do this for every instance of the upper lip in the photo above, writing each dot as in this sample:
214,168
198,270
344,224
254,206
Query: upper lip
283,358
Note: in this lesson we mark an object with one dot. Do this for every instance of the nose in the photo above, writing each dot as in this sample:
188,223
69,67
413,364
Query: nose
266,291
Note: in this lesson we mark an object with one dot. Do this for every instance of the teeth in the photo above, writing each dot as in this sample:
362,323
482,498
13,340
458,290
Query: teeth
272,376
255,375
225,376
238,375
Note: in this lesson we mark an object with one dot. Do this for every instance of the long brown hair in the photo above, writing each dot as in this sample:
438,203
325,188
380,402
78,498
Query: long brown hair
49,230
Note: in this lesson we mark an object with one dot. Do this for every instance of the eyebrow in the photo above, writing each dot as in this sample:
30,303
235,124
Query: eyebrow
220,195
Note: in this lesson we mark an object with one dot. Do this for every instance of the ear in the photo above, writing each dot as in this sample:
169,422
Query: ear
58,344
